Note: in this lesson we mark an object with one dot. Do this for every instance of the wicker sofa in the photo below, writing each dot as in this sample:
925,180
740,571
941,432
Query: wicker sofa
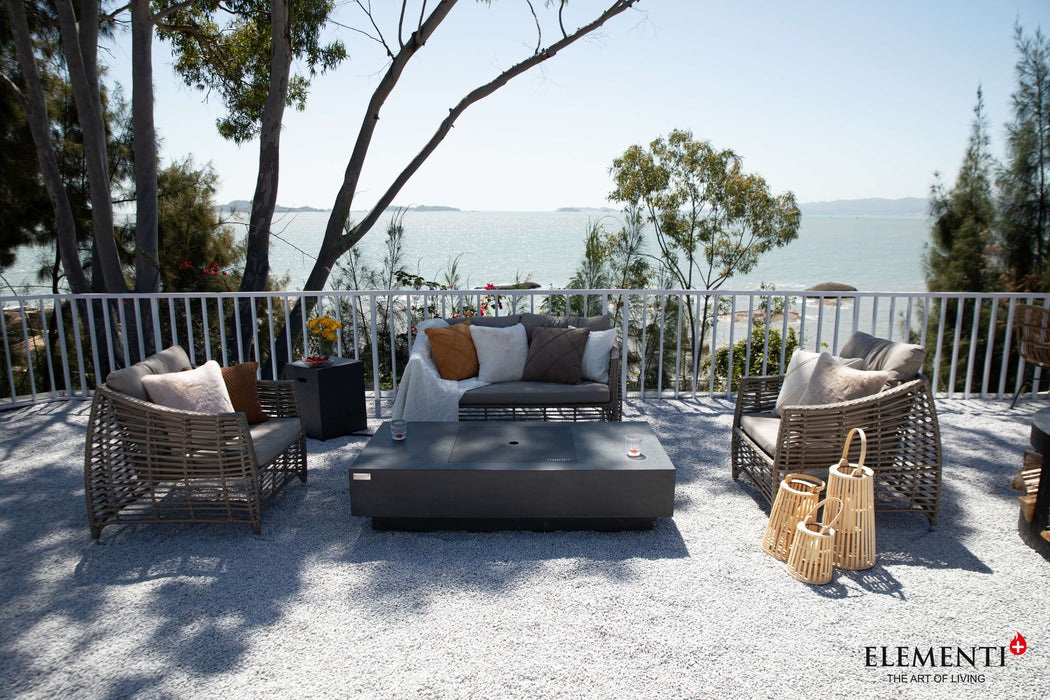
904,444
544,401
146,463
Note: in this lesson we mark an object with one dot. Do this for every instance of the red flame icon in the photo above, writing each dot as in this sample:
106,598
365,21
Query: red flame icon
1018,645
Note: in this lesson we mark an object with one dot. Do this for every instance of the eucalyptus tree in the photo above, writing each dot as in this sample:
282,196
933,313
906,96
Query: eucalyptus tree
244,50
401,44
28,89
711,219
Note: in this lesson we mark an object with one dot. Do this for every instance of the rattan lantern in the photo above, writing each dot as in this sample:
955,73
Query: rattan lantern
797,494
854,485
812,550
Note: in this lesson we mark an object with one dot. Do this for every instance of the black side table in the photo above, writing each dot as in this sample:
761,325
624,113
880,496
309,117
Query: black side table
331,398
1031,532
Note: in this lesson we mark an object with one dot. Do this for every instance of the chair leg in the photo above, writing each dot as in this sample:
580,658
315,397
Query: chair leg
1019,388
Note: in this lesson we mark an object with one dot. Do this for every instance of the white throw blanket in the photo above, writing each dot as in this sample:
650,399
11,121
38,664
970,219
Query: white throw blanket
422,394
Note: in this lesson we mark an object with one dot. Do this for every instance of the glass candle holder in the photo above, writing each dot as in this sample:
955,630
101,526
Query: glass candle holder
633,445
398,429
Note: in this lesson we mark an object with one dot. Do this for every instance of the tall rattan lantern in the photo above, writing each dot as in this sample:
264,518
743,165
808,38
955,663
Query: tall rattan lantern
854,485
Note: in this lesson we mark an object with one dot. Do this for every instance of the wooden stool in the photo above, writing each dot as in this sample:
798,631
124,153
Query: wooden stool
798,493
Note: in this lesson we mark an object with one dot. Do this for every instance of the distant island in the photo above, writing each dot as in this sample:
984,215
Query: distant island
906,206
245,206
423,207
596,210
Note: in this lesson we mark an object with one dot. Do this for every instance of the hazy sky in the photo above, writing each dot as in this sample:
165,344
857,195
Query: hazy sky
831,100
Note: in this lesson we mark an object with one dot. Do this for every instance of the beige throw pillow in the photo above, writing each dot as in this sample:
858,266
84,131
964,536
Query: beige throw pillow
799,373
833,382
595,366
202,389
501,352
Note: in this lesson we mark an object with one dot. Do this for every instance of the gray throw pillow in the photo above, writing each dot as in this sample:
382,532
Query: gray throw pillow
129,380
902,360
556,355
833,382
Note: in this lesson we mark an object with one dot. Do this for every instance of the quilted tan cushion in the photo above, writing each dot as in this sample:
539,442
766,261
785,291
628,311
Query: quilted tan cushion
556,355
833,382
453,351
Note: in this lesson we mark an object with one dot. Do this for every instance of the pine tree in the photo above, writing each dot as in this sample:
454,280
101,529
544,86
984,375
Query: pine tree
956,259
1024,183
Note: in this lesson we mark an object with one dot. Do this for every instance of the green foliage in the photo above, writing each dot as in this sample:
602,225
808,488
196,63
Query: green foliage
711,219
611,260
225,47
199,252
1024,182
958,258
25,209
763,360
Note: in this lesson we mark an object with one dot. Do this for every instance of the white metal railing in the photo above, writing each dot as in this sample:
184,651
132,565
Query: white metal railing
61,346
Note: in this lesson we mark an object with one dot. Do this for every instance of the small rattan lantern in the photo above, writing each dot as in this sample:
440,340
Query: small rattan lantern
812,549
796,495
854,485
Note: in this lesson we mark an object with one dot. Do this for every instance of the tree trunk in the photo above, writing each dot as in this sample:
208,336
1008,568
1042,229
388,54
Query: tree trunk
257,262
147,274
36,114
80,47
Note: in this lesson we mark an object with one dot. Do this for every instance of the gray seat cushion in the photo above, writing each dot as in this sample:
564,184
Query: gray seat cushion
129,380
272,437
763,428
536,394
902,360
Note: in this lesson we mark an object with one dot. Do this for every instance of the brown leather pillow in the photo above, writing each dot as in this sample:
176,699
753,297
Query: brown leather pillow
244,391
453,351
556,355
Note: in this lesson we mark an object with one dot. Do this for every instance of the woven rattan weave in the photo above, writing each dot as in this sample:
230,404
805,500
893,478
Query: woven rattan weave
1032,324
145,463
810,559
904,442
797,494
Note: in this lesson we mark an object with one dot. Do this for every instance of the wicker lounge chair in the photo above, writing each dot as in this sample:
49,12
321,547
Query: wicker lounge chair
1033,340
146,463
904,444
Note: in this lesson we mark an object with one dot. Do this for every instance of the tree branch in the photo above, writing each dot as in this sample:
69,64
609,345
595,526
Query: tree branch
401,25
474,96
379,32
539,31
161,14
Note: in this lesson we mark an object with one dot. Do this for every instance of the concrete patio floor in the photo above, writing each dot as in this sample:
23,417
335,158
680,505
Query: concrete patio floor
321,605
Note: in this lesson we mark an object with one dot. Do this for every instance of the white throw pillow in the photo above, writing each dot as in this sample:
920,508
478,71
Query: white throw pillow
502,352
596,355
800,372
202,389
833,382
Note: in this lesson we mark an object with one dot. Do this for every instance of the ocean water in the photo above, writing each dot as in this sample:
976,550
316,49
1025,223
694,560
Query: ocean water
871,253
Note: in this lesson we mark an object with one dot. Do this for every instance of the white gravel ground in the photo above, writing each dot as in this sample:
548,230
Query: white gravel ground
322,606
